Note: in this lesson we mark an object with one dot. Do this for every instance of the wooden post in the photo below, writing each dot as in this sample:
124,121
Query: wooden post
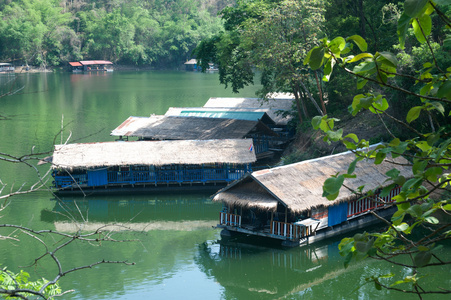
270,224
286,214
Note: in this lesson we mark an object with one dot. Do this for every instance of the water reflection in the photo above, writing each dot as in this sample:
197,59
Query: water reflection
251,271
183,212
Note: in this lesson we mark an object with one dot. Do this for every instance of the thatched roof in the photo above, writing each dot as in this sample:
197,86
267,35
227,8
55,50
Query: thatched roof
299,186
189,128
152,153
223,113
273,106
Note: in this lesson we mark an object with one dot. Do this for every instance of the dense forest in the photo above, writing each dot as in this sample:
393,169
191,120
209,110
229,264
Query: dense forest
161,33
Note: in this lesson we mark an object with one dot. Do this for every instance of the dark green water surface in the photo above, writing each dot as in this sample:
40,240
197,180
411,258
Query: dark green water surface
178,253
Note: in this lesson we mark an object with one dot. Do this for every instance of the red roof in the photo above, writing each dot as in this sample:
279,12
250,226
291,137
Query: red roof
95,62
75,64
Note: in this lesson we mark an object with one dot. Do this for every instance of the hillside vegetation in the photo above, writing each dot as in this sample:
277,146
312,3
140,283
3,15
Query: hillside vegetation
156,32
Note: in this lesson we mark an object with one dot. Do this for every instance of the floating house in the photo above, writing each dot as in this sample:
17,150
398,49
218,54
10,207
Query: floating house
91,65
223,113
276,108
150,166
191,65
198,128
286,203
6,68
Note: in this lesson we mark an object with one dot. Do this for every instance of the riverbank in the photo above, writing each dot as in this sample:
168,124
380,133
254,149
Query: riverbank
33,69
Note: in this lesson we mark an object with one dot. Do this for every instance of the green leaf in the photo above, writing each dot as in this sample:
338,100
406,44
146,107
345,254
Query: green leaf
423,145
365,67
397,217
433,173
390,57
415,211
351,167
360,56
328,67
402,227
316,57
337,45
422,27
316,122
332,185
353,137
423,248
380,156
403,26
413,113
431,220
444,91
359,41
361,83
447,207
411,183
413,8
335,135
332,196
380,104
393,173
422,258
349,145
419,166
437,106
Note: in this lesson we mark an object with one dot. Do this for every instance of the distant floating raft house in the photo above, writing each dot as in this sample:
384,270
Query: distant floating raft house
197,128
6,68
76,66
191,65
286,203
150,166
91,65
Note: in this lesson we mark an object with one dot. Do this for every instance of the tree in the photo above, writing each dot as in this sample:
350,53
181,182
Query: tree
52,243
422,220
273,38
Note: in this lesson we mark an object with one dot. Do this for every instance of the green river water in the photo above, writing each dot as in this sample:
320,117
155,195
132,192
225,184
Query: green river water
178,253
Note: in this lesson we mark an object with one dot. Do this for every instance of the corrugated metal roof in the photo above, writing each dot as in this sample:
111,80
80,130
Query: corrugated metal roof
191,62
239,115
75,64
95,62
273,106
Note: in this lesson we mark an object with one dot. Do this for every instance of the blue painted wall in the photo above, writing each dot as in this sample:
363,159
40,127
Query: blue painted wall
97,177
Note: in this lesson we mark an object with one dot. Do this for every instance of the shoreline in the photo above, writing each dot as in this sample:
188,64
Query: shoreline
33,69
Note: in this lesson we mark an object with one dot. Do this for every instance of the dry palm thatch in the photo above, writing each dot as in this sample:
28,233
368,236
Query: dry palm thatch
299,186
189,128
152,153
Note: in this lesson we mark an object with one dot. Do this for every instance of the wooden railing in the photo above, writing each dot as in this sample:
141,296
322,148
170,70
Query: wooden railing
158,176
364,205
229,219
289,230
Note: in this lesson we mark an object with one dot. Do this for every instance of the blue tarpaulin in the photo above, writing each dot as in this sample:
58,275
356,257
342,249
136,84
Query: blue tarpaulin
338,213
